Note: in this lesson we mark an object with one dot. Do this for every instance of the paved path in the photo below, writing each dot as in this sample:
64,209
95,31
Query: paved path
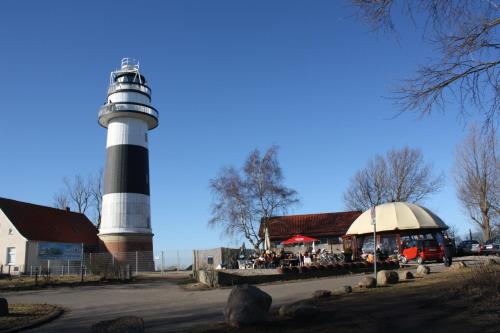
165,307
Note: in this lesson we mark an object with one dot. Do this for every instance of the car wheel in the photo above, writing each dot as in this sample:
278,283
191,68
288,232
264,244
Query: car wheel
403,259
420,261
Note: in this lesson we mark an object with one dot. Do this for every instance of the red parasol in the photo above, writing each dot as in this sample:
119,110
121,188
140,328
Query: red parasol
299,239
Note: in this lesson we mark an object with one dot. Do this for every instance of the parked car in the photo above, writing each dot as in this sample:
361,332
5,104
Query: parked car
422,250
492,247
469,247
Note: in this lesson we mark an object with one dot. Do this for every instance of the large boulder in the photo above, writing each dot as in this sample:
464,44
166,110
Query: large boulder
322,294
246,305
126,324
367,282
387,277
342,290
405,275
423,270
4,307
299,310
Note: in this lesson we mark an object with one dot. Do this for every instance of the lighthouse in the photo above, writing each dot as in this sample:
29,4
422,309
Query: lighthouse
127,114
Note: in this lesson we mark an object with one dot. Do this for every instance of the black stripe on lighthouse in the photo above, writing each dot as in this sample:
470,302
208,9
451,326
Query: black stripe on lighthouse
127,170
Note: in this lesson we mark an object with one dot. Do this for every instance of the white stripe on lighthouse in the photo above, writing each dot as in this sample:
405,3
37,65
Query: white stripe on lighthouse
125,212
127,131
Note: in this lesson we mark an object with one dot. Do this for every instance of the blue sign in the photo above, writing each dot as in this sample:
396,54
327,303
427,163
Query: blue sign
59,251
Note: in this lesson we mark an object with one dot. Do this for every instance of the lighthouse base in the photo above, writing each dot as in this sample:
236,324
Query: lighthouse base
135,250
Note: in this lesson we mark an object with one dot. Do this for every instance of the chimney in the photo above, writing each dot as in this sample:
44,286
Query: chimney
68,209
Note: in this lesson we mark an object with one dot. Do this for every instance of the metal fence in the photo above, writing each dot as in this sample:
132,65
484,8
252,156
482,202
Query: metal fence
104,263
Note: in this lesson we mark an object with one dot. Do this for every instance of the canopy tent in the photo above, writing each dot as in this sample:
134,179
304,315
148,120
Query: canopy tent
299,239
397,216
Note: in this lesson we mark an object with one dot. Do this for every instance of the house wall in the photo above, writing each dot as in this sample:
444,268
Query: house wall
11,239
221,256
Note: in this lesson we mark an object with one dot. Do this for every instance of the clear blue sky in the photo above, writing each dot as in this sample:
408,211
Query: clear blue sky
227,77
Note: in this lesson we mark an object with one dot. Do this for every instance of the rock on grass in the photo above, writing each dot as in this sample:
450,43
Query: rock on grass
423,270
246,305
367,282
322,294
298,311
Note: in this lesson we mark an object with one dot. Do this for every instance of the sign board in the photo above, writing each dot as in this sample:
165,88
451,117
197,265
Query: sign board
59,251
373,215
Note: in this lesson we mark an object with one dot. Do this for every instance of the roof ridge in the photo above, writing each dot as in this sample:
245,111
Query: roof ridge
37,205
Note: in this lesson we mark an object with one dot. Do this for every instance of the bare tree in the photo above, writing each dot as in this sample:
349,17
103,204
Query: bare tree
401,175
477,178
466,36
61,200
369,186
96,191
243,200
81,194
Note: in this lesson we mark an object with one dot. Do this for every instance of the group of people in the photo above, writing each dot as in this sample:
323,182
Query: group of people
274,259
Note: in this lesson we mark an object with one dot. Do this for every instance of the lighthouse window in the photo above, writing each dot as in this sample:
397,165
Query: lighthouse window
146,137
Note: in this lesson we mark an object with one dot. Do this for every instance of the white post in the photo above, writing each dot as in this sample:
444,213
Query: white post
374,222
136,262
31,270
162,262
48,267
375,250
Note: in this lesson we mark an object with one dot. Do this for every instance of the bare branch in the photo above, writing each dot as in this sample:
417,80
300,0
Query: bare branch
467,68
242,201
401,175
477,178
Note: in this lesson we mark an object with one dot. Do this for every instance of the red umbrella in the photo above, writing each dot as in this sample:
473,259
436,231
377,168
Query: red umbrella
299,239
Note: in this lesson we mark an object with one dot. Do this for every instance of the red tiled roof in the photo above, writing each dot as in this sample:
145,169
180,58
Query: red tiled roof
48,224
312,225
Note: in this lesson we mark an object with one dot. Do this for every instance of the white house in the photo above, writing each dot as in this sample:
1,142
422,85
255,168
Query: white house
32,235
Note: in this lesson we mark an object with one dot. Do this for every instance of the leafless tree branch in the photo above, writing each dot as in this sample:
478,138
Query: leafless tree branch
401,175
467,68
242,200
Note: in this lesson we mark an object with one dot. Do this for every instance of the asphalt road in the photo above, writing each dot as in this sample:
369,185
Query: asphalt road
164,306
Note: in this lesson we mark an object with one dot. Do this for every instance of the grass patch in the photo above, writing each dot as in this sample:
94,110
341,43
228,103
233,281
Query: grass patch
467,300
24,314
26,282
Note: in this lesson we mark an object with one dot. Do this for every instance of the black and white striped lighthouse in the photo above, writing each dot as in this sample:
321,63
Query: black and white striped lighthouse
128,116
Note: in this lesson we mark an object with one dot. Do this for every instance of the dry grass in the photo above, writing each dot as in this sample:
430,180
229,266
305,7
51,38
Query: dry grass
26,282
463,301
23,314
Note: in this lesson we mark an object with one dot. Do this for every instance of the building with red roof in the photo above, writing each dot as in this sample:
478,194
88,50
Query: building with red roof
327,227
31,234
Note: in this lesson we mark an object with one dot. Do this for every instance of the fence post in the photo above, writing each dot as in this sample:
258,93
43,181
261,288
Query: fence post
31,270
48,267
136,262
68,269
62,270
81,265
162,262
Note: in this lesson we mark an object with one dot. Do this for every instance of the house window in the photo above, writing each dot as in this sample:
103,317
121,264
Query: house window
210,260
11,232
11,255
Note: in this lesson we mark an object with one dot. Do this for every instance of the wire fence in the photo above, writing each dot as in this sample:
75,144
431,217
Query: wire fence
106,264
